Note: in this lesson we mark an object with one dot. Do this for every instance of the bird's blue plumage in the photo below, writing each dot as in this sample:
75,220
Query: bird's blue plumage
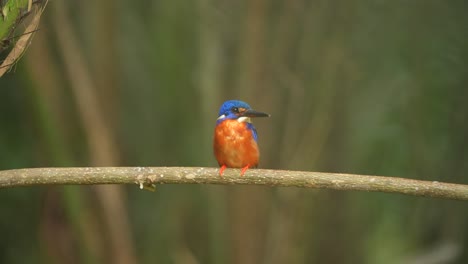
254,131
226,110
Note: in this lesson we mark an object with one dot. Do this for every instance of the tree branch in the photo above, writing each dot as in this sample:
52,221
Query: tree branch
148,176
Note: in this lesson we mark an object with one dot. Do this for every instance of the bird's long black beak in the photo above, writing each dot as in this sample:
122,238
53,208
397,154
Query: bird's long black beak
253,113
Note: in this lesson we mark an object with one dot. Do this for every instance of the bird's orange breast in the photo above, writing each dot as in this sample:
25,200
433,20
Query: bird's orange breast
234,145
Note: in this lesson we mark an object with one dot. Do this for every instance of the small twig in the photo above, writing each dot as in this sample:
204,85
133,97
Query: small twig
148,176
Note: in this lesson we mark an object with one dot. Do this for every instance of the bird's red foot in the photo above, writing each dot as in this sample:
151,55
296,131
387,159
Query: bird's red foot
244,170
221,170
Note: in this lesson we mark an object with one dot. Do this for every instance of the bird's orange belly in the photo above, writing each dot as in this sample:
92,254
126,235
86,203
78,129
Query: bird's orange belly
234,145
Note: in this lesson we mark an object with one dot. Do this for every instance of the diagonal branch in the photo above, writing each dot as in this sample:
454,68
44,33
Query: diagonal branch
148,176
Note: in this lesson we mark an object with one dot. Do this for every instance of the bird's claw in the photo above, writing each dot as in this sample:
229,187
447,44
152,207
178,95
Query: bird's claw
244,170
221,170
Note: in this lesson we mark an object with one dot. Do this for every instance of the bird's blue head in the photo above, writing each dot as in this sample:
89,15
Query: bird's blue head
240,111
234,109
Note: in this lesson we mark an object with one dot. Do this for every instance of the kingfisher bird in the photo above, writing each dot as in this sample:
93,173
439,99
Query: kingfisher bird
235,137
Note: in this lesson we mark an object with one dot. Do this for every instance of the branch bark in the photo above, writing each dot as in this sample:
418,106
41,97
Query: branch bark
148,176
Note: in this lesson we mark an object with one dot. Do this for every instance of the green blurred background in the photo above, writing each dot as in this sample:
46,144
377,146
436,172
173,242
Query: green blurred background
369,87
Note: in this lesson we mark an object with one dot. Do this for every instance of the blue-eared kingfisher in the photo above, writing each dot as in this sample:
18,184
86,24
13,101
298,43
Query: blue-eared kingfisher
235,137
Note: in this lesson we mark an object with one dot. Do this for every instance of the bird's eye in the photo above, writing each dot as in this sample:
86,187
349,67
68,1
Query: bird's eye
235,110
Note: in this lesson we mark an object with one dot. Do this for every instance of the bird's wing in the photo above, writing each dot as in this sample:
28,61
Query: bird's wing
253,130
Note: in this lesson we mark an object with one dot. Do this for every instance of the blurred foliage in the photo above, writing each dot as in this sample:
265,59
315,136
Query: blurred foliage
373,87
10,13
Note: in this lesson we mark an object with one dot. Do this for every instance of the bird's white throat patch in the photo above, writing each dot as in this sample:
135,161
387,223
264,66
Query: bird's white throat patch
240,119
244,119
